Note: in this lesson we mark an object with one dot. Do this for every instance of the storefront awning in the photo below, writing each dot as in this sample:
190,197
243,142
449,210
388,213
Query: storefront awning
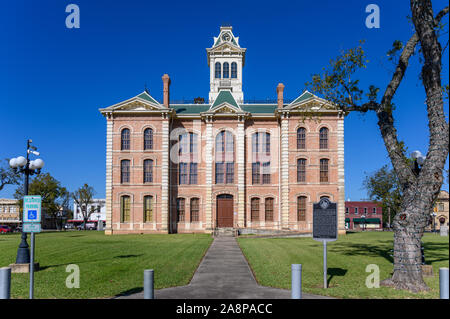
367,220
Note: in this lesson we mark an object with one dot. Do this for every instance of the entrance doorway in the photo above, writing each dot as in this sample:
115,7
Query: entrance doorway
225,210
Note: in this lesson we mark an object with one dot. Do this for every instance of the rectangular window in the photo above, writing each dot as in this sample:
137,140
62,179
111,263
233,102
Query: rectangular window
323,170
180,209
365,210
255,209
301,138
193,173
356,210
194,210
374,210
255,173
183,176
125,208
346,210
148,171
266,173
301,170
148,209
301,208
219,173
269,209
125,171
230,173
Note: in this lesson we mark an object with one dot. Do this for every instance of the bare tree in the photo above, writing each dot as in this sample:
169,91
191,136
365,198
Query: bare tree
83,197
419,188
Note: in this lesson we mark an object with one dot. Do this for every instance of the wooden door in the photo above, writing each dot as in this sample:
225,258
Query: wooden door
225,211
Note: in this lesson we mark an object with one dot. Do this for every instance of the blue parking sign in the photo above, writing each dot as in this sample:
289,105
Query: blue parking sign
32,209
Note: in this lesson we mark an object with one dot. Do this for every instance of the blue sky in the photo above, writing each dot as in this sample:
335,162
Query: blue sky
53,79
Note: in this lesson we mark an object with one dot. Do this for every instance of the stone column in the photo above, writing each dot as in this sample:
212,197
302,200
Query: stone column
209,172
109,199
341,175
165,175
284,171
240,157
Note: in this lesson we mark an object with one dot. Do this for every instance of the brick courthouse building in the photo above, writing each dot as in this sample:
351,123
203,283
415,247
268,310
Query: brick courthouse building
226,163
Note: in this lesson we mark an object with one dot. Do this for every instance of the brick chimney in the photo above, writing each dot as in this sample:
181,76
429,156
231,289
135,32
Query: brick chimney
280,89
166,91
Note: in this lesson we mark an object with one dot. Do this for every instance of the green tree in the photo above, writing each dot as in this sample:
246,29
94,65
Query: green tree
338,85
383,186
8,176
54,196
83,197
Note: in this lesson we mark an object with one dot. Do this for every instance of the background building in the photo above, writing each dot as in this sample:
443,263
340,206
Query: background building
440,211
9,212
364,215
189,167
98,207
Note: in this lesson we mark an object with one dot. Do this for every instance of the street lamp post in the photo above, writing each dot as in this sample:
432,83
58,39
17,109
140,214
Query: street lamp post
24,165
363,217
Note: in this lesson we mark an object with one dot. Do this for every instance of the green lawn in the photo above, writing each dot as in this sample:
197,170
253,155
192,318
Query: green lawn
109,265
271,259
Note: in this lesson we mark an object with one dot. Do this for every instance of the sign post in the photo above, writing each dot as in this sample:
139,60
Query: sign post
325,228
32,224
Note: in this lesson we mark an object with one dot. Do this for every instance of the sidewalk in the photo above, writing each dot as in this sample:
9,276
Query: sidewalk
223,274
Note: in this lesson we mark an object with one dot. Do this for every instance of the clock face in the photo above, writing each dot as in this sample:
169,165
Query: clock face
226,37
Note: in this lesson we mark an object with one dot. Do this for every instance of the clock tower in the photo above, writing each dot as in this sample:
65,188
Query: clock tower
225,60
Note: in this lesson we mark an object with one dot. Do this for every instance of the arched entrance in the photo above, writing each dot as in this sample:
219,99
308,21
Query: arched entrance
224,210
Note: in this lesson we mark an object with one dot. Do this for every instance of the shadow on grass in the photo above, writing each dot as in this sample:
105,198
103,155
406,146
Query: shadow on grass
434,252
128,256
130,292
380,249
335,272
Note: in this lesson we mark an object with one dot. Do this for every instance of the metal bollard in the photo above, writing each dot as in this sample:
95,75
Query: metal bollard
148,284
443,283
5,282
296,284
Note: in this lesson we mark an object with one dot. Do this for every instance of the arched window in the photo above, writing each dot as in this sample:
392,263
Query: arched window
254,209
188,154
268,207
323,138
233,70
218,70
125,139
125,208
195,210
301,170
125,171
301,138
148,209
148,139
323,170
261,158
224,158
301,208
148,171
180,209
226,70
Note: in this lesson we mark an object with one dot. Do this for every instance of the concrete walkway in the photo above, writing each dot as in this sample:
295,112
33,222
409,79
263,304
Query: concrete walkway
223,274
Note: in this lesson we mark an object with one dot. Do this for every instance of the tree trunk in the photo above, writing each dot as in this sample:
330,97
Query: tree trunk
409,225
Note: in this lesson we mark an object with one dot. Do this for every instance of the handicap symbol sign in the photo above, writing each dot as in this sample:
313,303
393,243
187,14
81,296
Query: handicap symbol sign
32,214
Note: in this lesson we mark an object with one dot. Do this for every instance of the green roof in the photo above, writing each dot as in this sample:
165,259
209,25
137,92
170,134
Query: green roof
190,108
144,95
225,96
305,95
259,108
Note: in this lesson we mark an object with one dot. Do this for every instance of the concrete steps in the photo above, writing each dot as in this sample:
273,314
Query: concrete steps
225,232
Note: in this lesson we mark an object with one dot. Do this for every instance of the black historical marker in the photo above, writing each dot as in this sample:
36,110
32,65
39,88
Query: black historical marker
325,224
